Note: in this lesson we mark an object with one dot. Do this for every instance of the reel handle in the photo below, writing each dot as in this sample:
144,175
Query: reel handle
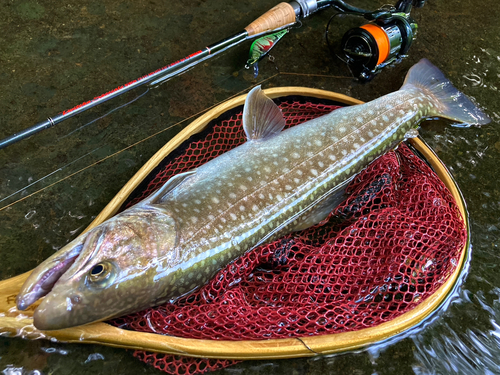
279,16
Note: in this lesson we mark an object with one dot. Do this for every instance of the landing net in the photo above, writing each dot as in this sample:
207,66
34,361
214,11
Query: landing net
387,248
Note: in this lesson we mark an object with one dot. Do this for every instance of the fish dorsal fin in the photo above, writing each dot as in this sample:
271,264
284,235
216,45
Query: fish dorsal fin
262,118
168,187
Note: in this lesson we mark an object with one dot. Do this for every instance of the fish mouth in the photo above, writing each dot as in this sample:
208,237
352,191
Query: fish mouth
42,279
57,312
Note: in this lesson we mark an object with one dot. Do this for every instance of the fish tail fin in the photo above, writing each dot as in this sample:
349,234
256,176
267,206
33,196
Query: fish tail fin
447,101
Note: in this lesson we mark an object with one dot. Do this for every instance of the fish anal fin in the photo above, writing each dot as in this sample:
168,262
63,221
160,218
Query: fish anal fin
262,118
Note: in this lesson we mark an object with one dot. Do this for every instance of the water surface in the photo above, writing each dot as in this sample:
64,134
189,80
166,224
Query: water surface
52,185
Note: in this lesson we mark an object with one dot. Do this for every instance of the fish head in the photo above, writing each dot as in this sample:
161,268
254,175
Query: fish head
113,274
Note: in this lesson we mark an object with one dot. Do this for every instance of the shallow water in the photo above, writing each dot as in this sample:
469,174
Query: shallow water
53,184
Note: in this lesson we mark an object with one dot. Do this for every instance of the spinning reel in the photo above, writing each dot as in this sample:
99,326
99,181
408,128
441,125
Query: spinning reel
384,40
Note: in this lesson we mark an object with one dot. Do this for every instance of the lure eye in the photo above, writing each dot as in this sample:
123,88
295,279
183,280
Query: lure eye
100,274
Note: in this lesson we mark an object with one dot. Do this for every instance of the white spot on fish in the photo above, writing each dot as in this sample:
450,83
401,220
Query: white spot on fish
211,217
249,178
332,157
385,118
359,119
243,187
318,142
288,187
232,195
197,201
342,129
299,172
261,196
310,154
233,216
242,208
295,155
278,197
314,172
344,152
296,180
321,164
267,169
215,200
255,208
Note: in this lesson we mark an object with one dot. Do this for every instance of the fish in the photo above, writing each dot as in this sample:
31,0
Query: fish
277,182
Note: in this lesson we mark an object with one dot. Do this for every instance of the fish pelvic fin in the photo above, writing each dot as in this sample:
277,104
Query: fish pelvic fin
448,102
262,118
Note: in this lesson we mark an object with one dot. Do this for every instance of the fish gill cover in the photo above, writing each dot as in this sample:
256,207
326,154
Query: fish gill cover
388,247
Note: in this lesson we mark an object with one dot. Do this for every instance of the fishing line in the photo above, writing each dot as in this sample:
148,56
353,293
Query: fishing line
50,174
113,110
81,157
134,144
313,75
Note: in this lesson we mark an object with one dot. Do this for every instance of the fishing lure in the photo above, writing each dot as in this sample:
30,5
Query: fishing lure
261,47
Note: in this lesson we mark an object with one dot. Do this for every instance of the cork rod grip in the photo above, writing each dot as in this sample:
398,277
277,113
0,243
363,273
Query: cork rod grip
281,15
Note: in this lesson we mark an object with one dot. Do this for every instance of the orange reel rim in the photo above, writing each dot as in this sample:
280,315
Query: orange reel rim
381,39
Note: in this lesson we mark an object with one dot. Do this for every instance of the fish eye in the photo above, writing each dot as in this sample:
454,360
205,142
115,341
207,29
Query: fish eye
100,273
97,270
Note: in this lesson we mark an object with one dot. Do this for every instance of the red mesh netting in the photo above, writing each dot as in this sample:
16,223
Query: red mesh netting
392,244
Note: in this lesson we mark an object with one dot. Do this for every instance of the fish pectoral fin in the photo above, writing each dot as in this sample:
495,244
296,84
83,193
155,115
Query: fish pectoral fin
262,118
322,209
168,187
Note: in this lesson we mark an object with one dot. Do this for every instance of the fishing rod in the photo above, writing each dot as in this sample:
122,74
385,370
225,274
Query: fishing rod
280,17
